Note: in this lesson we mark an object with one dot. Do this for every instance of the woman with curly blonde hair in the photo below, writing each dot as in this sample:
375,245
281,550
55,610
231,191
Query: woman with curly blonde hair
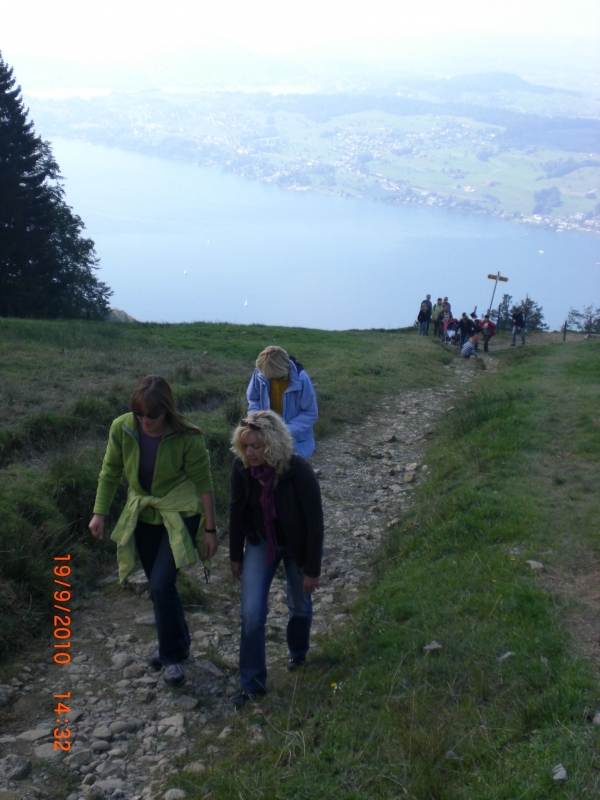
275,515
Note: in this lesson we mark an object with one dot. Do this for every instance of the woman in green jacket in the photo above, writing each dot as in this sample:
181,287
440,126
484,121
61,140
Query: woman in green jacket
170,497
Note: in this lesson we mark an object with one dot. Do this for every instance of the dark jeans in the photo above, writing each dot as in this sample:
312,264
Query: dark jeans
486,341
155,553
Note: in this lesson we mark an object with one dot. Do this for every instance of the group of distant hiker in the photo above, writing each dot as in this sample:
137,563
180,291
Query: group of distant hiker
275,514
464,330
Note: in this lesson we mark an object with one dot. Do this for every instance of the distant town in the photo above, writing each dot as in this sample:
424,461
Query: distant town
532,169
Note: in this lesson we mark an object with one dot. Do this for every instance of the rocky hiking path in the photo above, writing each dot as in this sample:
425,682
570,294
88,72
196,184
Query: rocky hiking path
129,732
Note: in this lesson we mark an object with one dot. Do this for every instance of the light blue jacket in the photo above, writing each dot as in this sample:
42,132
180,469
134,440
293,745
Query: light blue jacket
300,410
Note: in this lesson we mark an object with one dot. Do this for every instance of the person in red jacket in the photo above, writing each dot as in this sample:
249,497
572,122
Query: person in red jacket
488,329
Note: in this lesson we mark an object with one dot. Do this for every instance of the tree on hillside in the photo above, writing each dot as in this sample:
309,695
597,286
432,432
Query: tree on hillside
546,200
501,315
533,314
47,269
587,320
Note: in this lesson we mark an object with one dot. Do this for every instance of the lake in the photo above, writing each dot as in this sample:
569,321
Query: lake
178,243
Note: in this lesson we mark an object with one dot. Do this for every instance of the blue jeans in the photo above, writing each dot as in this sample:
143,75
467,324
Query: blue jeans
423,328
256,582
154,550
521,332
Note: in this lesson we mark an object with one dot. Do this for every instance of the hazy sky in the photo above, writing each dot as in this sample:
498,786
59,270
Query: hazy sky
114,29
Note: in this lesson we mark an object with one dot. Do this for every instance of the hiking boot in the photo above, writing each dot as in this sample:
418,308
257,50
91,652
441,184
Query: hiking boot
154,661
174,675
242,697
295,663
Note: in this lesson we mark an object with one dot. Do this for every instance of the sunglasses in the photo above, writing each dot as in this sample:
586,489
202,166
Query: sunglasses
254,426
140,414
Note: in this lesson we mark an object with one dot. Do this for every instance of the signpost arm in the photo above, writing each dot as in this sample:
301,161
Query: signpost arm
493,293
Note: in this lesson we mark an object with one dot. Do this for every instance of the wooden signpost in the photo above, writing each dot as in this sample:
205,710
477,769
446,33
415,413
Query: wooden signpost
495,278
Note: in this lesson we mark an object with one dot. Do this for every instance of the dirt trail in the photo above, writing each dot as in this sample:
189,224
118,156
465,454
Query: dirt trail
126,726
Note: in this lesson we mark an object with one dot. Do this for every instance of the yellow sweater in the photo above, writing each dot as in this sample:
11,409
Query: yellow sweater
277,387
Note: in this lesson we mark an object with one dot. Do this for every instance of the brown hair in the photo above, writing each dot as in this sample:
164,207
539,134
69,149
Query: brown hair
154,394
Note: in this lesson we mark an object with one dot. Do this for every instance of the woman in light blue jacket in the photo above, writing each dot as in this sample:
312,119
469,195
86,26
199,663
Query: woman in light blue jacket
280,383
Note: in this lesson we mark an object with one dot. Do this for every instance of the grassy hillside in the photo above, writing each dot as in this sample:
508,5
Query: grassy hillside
514,475
515,470
64,382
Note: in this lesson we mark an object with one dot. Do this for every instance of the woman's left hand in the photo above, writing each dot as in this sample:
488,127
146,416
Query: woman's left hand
211,545
309,584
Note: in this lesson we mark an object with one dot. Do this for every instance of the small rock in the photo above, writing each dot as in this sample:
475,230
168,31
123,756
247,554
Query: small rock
363,452
99,746
147,620
138,581
195,766
432,647
174,732
409,477
176,721
450,754
78,758
134,671
225,733
14,768
559,773
596,719
93,792
507,656
208,666
122,660
102,732
35,734
108,769
48,752
108,784
121,726
185,702
174,794
536,566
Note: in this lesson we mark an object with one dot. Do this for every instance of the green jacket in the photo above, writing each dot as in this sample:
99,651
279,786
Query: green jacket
180,500
180,457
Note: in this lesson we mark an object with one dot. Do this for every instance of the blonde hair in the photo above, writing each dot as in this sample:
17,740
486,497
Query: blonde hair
271,431
273,362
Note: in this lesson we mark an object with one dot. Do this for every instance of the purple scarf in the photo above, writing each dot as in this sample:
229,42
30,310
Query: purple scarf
267,475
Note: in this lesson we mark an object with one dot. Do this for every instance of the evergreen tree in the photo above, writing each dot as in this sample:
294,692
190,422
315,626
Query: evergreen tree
534,314
47,269
586,321
501,315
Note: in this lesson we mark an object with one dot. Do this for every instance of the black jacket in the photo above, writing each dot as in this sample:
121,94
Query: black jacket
298,501
466,325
